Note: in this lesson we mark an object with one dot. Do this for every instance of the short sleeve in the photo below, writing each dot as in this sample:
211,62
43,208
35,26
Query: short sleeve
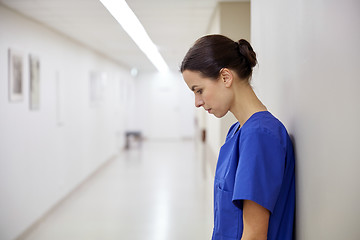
260,169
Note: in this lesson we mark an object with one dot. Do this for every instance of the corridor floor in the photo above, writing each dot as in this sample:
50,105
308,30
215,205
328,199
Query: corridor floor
157,191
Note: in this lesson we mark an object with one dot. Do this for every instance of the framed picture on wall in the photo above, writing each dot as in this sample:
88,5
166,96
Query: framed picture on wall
16,75
97,82
60,96
34,70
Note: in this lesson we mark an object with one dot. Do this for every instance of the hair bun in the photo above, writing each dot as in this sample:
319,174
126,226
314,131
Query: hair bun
247,52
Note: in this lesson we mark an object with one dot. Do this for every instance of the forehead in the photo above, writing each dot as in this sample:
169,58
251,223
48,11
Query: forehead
193,78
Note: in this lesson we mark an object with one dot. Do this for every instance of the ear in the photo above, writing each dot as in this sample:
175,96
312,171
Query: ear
226,76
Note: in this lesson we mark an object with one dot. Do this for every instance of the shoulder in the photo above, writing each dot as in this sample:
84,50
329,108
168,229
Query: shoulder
265,125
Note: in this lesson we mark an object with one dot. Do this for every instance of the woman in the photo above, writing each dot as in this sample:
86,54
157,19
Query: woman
254,190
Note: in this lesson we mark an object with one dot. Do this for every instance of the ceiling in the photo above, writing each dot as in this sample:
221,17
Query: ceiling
173,25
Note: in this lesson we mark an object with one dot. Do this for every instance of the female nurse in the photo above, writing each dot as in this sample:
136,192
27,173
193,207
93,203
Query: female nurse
254,187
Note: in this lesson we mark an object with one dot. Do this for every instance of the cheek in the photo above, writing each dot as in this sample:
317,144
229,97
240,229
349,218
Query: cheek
221,102
206,98
209,95
213,96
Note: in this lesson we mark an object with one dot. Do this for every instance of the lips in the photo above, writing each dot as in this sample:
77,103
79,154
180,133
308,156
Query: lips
208,110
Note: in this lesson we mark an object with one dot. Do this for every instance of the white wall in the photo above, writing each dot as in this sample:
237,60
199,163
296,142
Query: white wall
46,153
308,76
164,107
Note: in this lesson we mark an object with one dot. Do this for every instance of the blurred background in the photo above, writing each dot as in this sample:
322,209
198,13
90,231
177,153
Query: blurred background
100,141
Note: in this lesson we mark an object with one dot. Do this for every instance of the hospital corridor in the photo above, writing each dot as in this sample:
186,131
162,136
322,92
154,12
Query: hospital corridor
105,134
159,190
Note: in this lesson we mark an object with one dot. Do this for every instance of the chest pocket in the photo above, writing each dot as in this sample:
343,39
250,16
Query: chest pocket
227,217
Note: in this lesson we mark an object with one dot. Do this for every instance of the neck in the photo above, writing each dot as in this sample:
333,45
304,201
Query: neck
246,103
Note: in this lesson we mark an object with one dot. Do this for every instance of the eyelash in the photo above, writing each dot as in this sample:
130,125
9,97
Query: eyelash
199,91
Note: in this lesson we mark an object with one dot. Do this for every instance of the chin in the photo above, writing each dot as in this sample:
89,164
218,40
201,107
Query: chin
219,115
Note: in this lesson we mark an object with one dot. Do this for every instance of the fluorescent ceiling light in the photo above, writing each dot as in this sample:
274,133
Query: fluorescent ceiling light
131,24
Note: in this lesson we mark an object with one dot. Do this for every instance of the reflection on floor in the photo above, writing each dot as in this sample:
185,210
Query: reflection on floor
157,191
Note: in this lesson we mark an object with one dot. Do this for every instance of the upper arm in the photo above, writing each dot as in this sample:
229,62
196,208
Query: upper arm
256,221
260,169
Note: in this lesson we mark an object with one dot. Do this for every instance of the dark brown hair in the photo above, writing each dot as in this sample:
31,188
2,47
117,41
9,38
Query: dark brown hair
211,53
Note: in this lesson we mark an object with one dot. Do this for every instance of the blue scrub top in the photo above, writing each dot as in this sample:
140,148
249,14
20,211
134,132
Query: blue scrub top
255,163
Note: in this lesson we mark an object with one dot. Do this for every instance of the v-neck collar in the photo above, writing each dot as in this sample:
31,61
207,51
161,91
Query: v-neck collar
238,126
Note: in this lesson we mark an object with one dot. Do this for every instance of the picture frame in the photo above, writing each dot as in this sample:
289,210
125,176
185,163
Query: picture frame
16,75
34,85
97,83
59,100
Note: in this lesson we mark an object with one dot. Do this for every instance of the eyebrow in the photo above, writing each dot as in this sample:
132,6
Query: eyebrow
193,87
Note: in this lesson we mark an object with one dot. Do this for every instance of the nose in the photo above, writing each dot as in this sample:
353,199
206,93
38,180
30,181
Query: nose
198,101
